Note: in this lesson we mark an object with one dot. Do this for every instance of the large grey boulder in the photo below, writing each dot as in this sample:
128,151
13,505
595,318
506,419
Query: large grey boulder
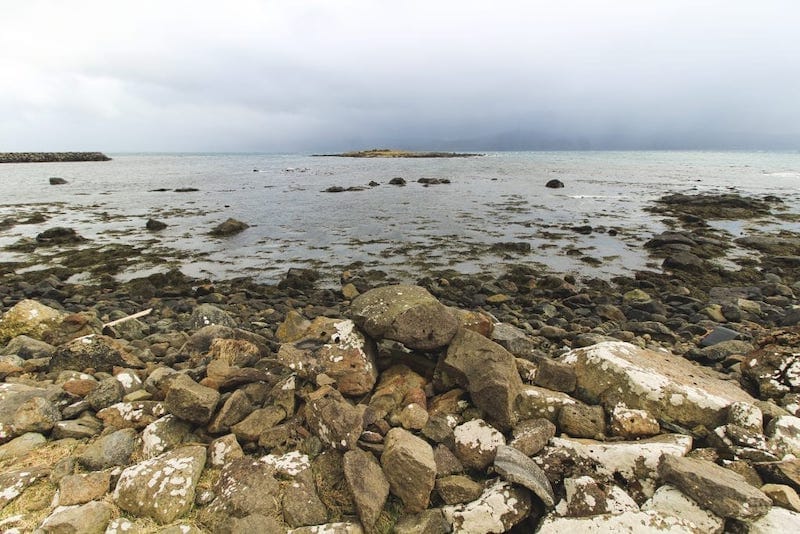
720,490
110,450
410,468
161,488
336,348
245,487
668,387
97,352
207,315
488,372
407,314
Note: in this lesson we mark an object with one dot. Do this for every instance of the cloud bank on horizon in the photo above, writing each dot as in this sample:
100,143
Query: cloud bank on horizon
312,75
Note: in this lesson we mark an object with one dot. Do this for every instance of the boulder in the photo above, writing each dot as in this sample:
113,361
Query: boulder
457,489
22,445
163,487
163,435
82,488
208,315
407,314
498,509
368,484
488,372
29,318
245,487
554,184
229,227
97,352
191,401
224,449
333,347
12,399
668,387
632,523
715,488
111,450
27,348
334,420
428,522
35,415
530,436
632,424
410,468
58,235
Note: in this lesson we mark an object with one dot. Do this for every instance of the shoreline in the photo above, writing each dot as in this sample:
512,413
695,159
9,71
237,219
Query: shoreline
392,153
51,157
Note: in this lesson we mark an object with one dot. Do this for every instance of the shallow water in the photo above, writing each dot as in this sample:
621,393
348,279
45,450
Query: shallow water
409,230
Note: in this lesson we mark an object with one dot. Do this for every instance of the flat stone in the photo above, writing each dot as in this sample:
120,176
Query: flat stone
668,387
782,495
91,518
86,426
517,468
368,484
498,509
251,427
21,445
161,488
720,490
406,314
631,523
27,348
410,468
669,500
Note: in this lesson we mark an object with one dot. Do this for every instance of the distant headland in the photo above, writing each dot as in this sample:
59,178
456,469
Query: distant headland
45,157
392,153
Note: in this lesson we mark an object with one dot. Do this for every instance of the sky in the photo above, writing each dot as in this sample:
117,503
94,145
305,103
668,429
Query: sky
322,76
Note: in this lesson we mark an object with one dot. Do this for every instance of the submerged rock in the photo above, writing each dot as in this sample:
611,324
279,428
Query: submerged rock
229,227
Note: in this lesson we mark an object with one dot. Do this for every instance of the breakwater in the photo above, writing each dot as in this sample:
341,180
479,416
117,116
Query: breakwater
45,157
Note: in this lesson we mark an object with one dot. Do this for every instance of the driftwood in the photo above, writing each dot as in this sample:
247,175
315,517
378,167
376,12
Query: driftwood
128,318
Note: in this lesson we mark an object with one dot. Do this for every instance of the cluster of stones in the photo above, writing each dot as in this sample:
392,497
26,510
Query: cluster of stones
402,415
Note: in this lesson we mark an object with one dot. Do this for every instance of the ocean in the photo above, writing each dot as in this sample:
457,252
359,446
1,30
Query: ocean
408,231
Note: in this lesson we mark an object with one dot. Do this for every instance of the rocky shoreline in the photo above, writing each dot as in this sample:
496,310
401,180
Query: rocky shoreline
664,401
394,153
49,157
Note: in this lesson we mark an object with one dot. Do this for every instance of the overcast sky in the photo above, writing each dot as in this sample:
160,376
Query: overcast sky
298,75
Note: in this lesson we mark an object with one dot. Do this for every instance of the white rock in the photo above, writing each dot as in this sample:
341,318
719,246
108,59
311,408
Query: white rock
777,521
671,501
631,523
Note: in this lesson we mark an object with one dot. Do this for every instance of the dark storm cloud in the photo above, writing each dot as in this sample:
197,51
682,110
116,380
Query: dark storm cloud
285,76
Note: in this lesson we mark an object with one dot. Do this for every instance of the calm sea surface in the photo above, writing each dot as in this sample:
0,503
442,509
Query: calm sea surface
410,231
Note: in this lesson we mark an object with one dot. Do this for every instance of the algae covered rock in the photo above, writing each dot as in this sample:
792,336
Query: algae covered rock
29,318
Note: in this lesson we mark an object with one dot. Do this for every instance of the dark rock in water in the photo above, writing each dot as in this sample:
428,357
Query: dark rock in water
718,335
712,206
433,181
55,180
554,184
154,225
684,261
584,230
373,183
229,227
397,181
334,189
186,190
301,279
59,236
520,247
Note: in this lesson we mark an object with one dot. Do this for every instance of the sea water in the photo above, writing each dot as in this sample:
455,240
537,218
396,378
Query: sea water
408,230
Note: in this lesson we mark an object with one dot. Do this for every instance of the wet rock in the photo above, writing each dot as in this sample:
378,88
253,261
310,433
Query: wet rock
457,489
55,180
14,482
407,314
35,415
488,372
29,318
229,227
335,348
554,184
161,488
58,236
720,490
154,225
668,387
91,518
207,315
410,468
111,450
82,488
368,484
97,352
498,509
397,181
476,444
191,401
517,468
334,420
163,435
669,500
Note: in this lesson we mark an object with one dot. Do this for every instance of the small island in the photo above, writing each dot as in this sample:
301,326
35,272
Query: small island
47,157
393,153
